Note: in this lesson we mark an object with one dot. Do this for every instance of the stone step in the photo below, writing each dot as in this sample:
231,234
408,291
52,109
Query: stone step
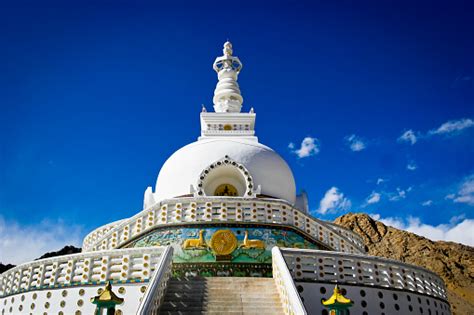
226,291
219,308
217,296
230,280
194,284
220,284
223,279
221,295
222,287
259,303
199,297
272,312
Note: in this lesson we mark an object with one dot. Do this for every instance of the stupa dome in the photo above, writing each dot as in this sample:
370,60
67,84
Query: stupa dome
267,168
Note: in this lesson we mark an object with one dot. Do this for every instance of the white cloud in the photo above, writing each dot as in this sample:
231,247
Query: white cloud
465,193
333,201
373,198
399,194
355,143
309,146
454,231
408,136
450,196
427,203
452,127
380,181
22,243
374,216
411,166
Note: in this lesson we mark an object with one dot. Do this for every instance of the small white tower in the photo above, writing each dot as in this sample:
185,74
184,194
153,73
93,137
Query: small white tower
227,120
227,97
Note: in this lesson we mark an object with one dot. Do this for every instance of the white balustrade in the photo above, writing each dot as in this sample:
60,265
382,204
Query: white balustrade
80,269
93,236
225,210
156,290
333,267
289,297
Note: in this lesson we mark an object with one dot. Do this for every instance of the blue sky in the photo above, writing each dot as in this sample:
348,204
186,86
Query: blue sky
95,96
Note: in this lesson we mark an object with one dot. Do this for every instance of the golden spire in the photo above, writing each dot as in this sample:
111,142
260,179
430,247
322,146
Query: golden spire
337,299
107,297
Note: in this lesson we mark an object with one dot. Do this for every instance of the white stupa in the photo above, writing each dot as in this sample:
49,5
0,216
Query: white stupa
223,232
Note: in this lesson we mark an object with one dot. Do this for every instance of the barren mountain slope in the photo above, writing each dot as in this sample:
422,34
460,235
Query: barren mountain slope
453,262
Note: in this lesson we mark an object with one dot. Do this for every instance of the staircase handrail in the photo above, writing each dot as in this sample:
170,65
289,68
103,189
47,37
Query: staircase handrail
154,294
289,296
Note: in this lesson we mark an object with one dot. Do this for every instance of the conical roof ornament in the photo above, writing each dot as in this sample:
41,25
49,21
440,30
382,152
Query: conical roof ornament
227,97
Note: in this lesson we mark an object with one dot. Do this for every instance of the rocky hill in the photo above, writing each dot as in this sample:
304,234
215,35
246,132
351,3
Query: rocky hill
5,267
453,262
66,250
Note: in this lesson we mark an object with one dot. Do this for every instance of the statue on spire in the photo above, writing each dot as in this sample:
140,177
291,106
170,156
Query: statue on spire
227,97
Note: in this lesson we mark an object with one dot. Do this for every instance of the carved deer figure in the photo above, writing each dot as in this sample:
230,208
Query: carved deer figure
247,244
198,243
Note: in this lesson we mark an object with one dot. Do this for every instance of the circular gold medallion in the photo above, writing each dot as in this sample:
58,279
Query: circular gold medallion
223,242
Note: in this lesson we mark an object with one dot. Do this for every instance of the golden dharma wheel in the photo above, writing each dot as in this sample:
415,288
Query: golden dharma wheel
223,242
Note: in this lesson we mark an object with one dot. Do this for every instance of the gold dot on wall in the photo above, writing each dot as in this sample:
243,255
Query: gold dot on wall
81,292
64,293
60,313
48,295
62,304
118,312
143,289
79,313
32,306
121,290
46,305
100,290
35,296
80,303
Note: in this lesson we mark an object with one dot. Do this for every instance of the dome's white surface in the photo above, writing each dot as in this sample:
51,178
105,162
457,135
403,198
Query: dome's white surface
268,169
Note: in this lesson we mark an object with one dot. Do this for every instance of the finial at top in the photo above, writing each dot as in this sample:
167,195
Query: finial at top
227,97
227,48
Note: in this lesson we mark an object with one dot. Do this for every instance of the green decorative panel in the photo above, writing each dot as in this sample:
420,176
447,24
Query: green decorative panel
226,244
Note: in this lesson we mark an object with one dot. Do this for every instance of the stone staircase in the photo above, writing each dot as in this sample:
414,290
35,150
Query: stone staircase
221,295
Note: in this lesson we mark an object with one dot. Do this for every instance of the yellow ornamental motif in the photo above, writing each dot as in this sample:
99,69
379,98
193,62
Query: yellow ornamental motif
198,243
248,243
223,242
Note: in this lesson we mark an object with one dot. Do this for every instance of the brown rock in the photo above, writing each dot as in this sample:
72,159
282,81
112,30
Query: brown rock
453,262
